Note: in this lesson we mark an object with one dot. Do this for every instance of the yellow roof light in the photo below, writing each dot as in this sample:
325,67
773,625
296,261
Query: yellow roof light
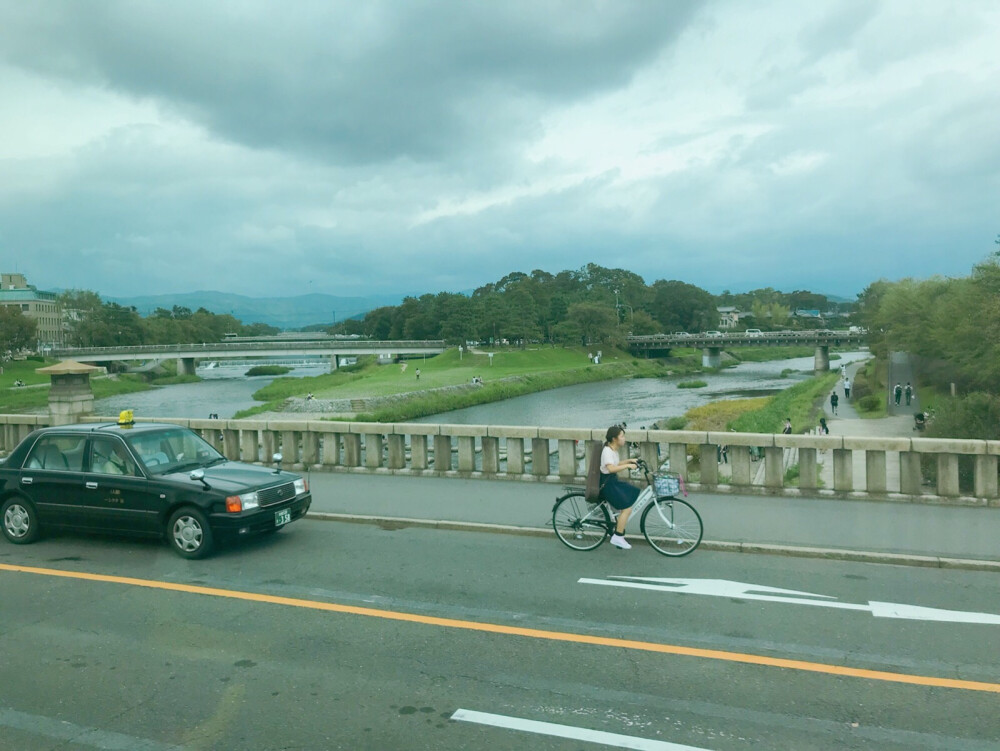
125,418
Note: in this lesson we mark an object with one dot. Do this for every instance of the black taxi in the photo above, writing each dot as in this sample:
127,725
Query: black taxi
147,479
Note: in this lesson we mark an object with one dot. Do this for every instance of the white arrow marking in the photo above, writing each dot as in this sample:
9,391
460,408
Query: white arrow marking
568,731
743,591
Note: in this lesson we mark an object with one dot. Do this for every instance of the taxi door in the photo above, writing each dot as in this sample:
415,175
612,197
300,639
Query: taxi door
52,478
117,495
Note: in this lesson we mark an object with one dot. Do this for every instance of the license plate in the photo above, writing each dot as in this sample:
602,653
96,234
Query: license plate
282,517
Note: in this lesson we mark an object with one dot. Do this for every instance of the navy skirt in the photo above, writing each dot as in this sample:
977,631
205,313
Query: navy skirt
619,494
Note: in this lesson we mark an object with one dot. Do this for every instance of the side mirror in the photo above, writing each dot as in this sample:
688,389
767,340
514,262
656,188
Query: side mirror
276,458
198,475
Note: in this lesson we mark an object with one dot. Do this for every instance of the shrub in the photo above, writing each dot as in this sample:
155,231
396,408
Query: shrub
692,384
676,423
868,403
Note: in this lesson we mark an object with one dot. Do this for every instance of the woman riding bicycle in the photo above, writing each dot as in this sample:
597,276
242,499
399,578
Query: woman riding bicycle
619,494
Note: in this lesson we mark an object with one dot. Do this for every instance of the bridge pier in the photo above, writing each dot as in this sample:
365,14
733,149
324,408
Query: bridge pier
711,357
185,366
821,362
333,363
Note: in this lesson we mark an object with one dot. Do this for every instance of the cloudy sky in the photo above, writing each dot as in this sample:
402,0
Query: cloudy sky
272,148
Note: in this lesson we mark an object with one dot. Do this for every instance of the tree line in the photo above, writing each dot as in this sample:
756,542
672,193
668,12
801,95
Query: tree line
93,322
593,304
952,327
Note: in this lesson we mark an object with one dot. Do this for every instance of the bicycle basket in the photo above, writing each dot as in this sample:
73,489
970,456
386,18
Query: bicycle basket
667,484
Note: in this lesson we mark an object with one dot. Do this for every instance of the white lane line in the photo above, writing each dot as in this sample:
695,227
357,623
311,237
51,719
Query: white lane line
568,731
79,735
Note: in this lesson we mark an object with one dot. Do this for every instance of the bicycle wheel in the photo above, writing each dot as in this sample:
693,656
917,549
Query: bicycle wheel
671,526
578,524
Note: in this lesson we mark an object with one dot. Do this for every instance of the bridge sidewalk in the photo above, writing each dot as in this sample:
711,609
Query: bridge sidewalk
912,531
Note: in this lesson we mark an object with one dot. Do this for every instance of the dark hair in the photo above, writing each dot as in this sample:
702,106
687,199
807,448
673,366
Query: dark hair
613,432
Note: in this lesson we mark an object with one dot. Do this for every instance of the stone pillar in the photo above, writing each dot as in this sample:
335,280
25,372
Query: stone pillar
397,451
310,448
267,443
491,455
331,449
647,452
821,361
679,458
515,456
843,469
352,450
986,476
875,474
567,458
70,396
739,457
373,450
709,464
289,448
774,466
539,457
711,357
442,453
418,452
333,363
466,453
231,444
947,475
249,449
808,475
185,366
910,476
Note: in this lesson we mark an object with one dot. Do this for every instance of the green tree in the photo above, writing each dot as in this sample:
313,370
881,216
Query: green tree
595,322
679,306
17,331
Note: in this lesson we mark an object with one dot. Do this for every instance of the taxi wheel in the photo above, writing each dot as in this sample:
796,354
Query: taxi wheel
189,534
20,523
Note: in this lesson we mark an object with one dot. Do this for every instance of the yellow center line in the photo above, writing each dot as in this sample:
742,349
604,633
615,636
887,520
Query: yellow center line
532,633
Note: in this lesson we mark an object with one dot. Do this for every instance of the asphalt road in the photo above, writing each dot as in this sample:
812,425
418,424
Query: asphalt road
342,636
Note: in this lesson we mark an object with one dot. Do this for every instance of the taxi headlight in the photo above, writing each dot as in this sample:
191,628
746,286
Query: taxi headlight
301,486
237,503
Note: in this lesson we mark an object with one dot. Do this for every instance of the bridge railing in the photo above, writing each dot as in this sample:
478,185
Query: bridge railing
926,470
142,349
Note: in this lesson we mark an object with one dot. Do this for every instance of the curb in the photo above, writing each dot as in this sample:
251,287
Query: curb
795,551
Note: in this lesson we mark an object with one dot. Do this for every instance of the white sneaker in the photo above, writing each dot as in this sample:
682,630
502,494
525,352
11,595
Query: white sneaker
620,542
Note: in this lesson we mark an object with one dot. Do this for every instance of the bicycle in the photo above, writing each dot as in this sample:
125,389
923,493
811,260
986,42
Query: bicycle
670,525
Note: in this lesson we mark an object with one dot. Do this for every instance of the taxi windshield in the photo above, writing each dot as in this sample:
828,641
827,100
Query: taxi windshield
173,450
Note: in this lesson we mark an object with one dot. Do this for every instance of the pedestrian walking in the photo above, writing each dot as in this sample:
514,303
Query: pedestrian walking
898,393
847,389
823,429
909,393
418,374
834,401
787,430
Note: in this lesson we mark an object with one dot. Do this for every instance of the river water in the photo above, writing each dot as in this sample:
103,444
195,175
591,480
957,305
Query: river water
225,390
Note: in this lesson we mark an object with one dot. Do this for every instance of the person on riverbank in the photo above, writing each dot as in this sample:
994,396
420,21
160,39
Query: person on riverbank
834,401
787,430
621,495
897,392
418,374
847,389
909,393
823,428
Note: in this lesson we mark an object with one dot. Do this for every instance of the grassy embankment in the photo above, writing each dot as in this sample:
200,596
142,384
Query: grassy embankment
513,373
34,395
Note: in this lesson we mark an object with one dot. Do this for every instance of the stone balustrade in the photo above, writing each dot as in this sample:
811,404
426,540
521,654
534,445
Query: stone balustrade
860,465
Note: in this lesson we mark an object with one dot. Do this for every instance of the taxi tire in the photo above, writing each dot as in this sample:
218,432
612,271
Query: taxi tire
189,534
25,512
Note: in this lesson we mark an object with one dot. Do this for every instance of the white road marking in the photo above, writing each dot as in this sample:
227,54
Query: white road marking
568,731
743,591
78,735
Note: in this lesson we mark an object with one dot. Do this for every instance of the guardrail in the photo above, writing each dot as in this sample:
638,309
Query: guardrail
311,345
929,470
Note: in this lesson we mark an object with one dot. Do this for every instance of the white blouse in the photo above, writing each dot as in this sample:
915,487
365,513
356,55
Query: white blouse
609,457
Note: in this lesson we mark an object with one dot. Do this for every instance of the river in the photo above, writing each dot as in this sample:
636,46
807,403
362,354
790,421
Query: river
225,390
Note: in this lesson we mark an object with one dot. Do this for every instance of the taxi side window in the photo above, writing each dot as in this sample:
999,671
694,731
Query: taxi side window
110,457
60,453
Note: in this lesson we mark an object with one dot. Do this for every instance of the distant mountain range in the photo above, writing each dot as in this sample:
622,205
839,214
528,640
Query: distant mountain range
282,312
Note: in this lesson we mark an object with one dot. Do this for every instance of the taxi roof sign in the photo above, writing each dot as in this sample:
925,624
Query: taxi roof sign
125,418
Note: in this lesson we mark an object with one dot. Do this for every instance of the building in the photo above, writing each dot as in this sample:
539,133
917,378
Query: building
732,318
42,306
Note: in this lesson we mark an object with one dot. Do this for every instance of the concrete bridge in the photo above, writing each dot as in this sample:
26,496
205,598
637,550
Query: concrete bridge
187,354
659,345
